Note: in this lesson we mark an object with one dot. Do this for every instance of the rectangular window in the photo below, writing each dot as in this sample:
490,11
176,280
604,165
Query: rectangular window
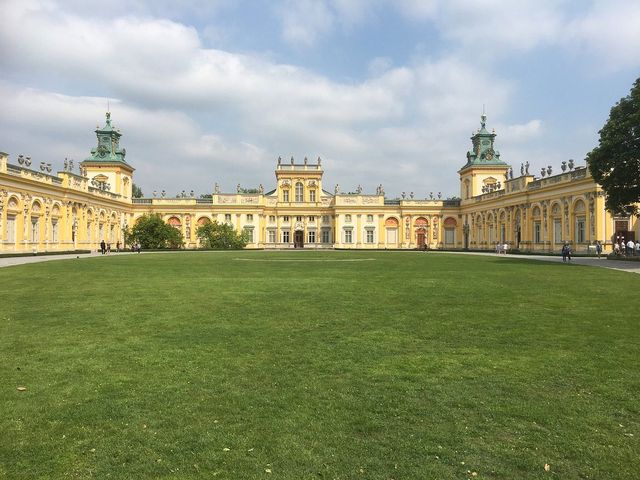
272,236
369,236
312,195
227,217
325,219
325,236
285,236
392,236
537,232
35,231
249,234
54,230
11,228
347,218
503,234
370,218
249,217
285,219
449,236
285,195
312,218
581,223
298,218
557,231
299,192
112,234
348,237
101,231
272,219
312,236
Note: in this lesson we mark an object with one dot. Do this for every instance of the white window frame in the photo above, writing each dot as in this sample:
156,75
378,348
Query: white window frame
11,228
54,230
581,229
348,235
370,235
299,192
35,229
537,232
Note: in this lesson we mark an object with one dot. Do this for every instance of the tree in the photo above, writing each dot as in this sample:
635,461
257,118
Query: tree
220,236
615,162
150,231
136,191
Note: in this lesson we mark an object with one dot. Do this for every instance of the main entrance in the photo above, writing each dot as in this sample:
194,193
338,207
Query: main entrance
298,239
421,240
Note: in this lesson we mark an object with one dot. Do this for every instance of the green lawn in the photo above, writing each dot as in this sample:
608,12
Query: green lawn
301,365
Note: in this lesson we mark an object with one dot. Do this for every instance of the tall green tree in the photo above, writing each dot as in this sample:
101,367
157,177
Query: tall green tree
220,236
150,231
136,191
615,162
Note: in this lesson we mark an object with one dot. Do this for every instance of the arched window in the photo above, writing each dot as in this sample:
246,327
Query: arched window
299,192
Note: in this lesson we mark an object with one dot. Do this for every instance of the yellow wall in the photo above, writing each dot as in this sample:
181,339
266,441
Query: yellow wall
64,212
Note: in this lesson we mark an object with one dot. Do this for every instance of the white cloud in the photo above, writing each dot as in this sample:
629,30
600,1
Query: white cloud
304,21
609,31
192,115
521,133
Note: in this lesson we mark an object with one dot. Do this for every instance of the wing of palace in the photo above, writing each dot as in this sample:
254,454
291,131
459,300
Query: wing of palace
81,205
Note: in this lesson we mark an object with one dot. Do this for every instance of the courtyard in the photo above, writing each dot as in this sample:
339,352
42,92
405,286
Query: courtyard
299,365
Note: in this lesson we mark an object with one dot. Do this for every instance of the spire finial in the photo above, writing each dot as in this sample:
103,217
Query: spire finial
483,118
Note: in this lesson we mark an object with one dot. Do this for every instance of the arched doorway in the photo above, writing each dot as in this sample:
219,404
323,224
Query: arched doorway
421,225
298,239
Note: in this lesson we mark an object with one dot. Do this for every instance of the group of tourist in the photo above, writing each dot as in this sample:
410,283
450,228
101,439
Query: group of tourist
628,248
105,248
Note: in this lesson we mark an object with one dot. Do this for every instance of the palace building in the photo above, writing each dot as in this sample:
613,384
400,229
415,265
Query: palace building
69,210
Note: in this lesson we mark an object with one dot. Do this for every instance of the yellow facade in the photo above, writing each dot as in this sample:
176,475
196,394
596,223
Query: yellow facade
40,212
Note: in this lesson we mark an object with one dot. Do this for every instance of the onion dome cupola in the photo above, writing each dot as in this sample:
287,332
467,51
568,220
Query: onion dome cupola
483,152
108,148
106,167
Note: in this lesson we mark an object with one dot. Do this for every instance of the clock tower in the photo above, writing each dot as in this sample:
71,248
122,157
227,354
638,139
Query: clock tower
106,168
484,170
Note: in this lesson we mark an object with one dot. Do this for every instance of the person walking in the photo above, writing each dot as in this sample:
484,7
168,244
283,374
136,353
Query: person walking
598,248
631,248
565,248
103,247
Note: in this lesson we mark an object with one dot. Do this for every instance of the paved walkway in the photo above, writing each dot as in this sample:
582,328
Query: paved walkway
633,267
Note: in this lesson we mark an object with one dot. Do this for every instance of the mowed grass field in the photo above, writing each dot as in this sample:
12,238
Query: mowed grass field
318,365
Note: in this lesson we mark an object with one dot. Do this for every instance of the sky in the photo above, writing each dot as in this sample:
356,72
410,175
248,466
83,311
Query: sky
384,91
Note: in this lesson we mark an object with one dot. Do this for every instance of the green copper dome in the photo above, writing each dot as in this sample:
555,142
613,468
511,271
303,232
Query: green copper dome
108,148
483,152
